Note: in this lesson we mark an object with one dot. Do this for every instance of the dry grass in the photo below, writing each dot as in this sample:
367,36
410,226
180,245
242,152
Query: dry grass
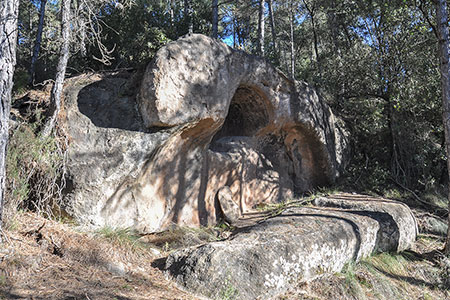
44,259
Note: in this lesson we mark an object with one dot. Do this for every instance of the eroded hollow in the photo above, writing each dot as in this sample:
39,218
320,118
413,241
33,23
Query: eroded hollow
246,115
291,156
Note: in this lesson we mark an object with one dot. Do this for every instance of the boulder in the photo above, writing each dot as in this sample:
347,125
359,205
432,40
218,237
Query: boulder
399,226
298,245
206,117
430,224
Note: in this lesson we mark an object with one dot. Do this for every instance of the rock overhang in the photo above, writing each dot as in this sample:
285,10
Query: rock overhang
210,117
197,77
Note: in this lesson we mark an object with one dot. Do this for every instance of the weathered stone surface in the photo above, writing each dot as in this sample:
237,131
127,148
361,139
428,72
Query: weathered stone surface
207,117
108,147
256,132
264,260
397,219
230,210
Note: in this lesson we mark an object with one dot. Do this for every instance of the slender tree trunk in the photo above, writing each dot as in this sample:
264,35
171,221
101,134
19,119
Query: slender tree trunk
261,28
272,27
291,23
9,10
312,14
61,69
442,28
83,50
37,44
333,27
81,25
171,12
30,26
234,35
188,15
215,19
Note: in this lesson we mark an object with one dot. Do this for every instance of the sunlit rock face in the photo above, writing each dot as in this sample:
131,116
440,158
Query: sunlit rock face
297,245
206,117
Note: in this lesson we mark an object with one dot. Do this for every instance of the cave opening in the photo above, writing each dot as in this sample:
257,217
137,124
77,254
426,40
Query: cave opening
247,114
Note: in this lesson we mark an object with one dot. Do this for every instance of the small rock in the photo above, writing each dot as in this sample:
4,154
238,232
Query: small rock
230,209
116,268
155,252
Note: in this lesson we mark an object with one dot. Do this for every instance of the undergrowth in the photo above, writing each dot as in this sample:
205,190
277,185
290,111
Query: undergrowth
182,237
35,168
123,237
392,276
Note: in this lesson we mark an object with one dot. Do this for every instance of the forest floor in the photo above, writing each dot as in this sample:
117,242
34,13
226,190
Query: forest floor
48,259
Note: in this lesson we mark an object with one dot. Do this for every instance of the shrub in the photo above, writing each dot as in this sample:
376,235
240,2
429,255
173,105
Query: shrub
35,169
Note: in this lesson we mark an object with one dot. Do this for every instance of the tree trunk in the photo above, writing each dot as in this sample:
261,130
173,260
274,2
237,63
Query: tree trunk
291,23
272,27
188,15
9,10
442,28
333,27
57,89
261,28
172,14
81,25
215,19
312,14
37,44
83,50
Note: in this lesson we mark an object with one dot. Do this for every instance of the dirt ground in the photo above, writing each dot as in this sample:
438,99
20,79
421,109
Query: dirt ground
46,259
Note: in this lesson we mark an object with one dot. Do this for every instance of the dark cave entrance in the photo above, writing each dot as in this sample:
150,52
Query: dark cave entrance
247,114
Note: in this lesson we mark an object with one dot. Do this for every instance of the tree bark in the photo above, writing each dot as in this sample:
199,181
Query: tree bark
261,28
9,10
37,44
272,27
312,14
215,19
188,15
57,89
80,20
172,14
442,28
291,23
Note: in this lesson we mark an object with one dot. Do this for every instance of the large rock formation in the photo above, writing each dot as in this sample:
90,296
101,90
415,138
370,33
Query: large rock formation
207,118
300,244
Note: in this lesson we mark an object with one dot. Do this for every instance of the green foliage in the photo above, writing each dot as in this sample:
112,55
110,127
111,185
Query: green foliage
353,282
28,20
124,237
229,292
34,168
21,78
135,33
378,68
